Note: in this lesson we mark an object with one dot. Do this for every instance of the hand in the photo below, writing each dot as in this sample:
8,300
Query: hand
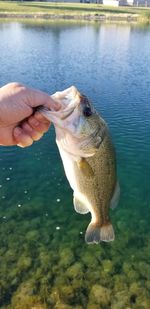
20,123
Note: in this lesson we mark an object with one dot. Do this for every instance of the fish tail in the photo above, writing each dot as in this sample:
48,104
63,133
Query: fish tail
96,233
107,232
92,234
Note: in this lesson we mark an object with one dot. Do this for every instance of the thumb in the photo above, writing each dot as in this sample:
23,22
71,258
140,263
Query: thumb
37,98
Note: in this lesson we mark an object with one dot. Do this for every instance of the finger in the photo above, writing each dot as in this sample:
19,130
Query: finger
37,125
35,135
37,98
38,116
22,139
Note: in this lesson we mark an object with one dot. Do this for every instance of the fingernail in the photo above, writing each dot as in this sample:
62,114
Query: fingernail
17,131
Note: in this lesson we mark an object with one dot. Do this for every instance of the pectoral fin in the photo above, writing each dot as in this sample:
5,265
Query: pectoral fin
79,206
85,167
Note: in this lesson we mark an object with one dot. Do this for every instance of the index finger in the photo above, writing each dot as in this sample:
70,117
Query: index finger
37,98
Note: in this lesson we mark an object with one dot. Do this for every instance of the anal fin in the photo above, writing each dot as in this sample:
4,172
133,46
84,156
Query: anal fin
79,206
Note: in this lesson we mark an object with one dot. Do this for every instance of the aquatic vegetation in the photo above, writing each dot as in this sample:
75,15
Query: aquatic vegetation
66,257
99,295
24,298
40,274
75,271
107,266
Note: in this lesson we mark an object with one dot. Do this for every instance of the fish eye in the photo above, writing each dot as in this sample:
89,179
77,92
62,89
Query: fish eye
87,111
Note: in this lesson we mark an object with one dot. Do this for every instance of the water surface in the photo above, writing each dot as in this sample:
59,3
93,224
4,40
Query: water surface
44,261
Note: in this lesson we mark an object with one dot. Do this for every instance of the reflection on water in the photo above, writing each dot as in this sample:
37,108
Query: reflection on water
44,262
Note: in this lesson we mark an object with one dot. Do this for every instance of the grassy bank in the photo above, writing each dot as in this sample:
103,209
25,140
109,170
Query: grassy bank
72,10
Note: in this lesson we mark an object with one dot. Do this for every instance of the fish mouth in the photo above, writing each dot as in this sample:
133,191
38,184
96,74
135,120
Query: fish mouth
67,113
69,99
61,114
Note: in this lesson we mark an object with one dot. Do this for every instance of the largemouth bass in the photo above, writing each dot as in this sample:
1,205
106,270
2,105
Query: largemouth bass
88,157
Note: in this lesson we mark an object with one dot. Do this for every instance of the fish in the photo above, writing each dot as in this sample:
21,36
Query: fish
89,160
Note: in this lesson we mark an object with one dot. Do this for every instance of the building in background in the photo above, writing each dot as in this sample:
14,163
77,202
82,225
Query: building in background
116,3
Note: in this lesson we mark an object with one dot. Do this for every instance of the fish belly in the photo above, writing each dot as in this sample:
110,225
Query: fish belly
68,164
80,200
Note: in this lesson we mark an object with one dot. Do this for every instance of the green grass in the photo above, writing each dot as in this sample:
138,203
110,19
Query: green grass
69,9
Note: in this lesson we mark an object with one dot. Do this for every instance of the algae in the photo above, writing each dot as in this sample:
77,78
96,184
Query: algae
40,268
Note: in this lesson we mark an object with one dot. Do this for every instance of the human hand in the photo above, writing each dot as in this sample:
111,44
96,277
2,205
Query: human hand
20,123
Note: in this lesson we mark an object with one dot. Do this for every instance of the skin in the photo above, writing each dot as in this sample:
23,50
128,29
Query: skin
20,123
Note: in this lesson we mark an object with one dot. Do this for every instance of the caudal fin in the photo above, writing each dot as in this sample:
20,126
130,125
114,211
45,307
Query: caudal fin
107,232
96,234
92,234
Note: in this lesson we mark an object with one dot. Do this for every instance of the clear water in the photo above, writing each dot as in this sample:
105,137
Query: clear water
44,261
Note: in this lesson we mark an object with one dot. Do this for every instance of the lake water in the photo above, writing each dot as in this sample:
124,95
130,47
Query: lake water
44,261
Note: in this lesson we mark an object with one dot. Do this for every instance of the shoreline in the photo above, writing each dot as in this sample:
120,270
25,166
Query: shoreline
88,17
